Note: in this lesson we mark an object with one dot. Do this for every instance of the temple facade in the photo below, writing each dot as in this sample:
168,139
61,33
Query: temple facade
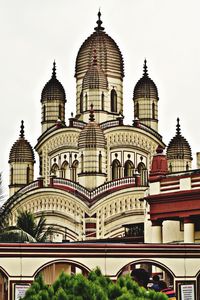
102,179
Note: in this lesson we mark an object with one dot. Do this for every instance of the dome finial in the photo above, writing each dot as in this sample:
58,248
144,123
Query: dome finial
99,23
22,129
54,70
178,127
145,72
91,118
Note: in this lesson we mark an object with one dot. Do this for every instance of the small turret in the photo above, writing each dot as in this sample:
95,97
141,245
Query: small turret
145,98
21,160
92,146
53,102
179,153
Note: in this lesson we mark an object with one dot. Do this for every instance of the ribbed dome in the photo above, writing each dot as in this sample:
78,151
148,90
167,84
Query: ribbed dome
109,57
53,89
94,78
21,150
179,147
145,87
92,135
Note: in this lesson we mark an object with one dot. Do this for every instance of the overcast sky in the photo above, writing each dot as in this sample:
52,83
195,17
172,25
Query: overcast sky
35,32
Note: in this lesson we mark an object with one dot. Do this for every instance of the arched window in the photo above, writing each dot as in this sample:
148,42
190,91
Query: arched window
142,170
86,101
128,168
74,170
153,110
113,100
65,169
81,102
60,112
11,175
55,169
116,169
82,163
44,113
40,167
100,162
137,110
102,101
27,174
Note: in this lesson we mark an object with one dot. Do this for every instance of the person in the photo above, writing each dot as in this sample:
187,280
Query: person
167,290
141,276
156,281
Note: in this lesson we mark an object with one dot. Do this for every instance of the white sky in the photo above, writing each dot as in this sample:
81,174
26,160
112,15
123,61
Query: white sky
35,32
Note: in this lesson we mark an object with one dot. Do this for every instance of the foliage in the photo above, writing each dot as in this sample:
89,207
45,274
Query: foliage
26,229
95,287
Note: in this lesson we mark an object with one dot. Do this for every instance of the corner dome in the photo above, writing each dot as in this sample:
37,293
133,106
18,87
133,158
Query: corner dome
53,89
92,135
179,147
108,54
21,150
94,78
145,87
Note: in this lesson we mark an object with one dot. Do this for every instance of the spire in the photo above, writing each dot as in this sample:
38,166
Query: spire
22,130
91,118
54,70
145,72
178,128
99,23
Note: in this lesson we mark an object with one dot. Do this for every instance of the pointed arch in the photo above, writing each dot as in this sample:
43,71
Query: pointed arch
44,113
142,170
60,112
116,169
82,162
128,168
55,169
113,98
81,102
27,174
65,170
102,101
74,170
86,101
153,111
100,162
137,110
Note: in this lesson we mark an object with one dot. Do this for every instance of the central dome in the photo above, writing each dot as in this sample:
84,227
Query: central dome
92,135
109,56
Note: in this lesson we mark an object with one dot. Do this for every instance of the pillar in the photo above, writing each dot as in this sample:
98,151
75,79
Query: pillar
188,231
156,232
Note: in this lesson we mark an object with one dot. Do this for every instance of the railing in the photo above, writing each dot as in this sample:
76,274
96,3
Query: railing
91,195
109,124
72,187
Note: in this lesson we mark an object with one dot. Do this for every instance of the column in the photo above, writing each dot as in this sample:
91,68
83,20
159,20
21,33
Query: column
156,231
188,230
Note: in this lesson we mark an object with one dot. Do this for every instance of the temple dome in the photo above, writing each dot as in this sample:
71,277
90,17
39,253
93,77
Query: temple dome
21,150
92,135
108,54
53,89
179,147
145,87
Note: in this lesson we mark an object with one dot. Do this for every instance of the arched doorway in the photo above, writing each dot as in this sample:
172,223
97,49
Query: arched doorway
50,272
128,168
3,286
153,268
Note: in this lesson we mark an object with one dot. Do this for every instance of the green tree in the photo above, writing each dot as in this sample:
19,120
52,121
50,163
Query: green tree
26,229
95,287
